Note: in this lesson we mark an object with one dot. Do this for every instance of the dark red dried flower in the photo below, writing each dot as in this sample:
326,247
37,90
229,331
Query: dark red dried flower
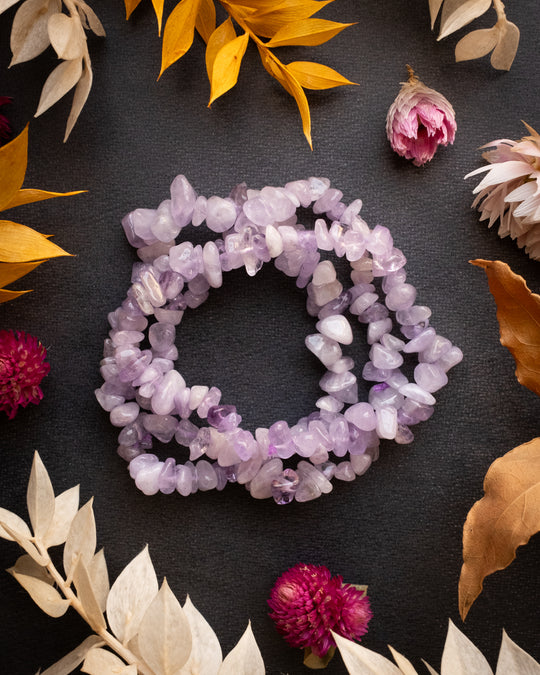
308,603
22,367
5,128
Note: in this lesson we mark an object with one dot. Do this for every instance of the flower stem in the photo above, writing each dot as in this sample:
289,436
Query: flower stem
499,8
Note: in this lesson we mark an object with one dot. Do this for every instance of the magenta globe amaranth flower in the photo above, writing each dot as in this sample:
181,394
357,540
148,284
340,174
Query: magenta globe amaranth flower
22,367
308,603
419,120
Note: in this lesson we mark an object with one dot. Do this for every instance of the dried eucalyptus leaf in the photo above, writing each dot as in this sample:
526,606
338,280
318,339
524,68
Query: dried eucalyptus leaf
358,659
30,568
97,569
95,24
505,51
245,658
206,656
40,498
513,659
16,524
29,35
458,13
164,636
476,44
461,656
67,36
102,662
66,505
81,539
46,597
70,661
79,99
26,544
86,595
63,78
130,596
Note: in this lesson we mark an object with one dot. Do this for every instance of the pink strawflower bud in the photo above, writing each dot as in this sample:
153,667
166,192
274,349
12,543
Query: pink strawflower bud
307,603
22,367
419,120
5,128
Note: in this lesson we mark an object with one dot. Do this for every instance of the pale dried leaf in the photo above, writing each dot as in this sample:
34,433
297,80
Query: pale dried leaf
6,4
505,52
97,569
46,597
29,36
16,524
67,36
206,655
434,8
513,659
81,539
95,24
476,44
70,661
30,568
458,13
102,662
128,670
432,671
85,593
63,78
82,90
130,596
164,636
362,661
40,498
25,544
65,508
403,664
461,656
245,658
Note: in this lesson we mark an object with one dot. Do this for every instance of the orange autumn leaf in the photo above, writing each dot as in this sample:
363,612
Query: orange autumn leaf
6,295
226,66
506,517
10,272
518,313
205,23
316,76
179,32
267,21
19,243
223,34
158,9
307,33
131,5
13,158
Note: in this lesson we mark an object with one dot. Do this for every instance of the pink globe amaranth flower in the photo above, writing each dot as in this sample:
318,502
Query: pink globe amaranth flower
307,603
5,128
419,120
22,367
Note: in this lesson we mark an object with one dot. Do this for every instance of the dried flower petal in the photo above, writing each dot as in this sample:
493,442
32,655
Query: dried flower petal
419,120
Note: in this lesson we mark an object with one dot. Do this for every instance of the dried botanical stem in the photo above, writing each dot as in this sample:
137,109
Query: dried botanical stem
104,634
499,8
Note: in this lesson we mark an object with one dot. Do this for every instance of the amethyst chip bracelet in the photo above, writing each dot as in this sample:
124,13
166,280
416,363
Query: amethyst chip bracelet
148,398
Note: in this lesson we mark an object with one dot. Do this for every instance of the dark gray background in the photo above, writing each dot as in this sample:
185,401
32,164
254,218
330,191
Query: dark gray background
398,528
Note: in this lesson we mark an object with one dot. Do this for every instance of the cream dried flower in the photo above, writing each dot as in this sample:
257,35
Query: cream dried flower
510,191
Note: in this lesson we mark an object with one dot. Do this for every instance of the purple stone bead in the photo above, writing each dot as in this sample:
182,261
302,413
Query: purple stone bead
167,478
219,414
186,432
284,486
183,200
140,462
280,438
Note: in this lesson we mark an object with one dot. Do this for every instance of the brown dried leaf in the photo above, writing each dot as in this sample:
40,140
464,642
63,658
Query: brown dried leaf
315,662
19,243
97,569
30,568
85,593
505,52
46,597
227,66
316,76
205,22
13,162
358,659
66,505
67,36
31,195
63,78
130,596
461,656
434,8
308,32
164,636
10,272
206,656
518,312
458,13
29,36
245,658
70,661
506,517
40,498
15,523
178,33
222,35
476,44
102,662
81,539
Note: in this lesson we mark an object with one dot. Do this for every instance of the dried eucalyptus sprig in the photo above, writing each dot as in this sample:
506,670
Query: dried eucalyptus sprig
138,627
501,40
40,23
269,24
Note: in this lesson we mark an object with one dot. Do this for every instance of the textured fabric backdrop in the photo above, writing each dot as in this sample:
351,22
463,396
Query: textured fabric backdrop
398,528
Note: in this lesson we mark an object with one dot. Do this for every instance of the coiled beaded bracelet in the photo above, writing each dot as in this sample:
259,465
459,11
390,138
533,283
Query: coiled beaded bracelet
148,398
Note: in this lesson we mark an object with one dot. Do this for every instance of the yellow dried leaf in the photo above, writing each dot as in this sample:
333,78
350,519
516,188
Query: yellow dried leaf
227,66
518,312
506,517
477,44
10,272
19,243
267,21
223,34
13,159
316,76
505,51
131,5
30,195
458,13
6,296
178,33
307,33
158,9
205,22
